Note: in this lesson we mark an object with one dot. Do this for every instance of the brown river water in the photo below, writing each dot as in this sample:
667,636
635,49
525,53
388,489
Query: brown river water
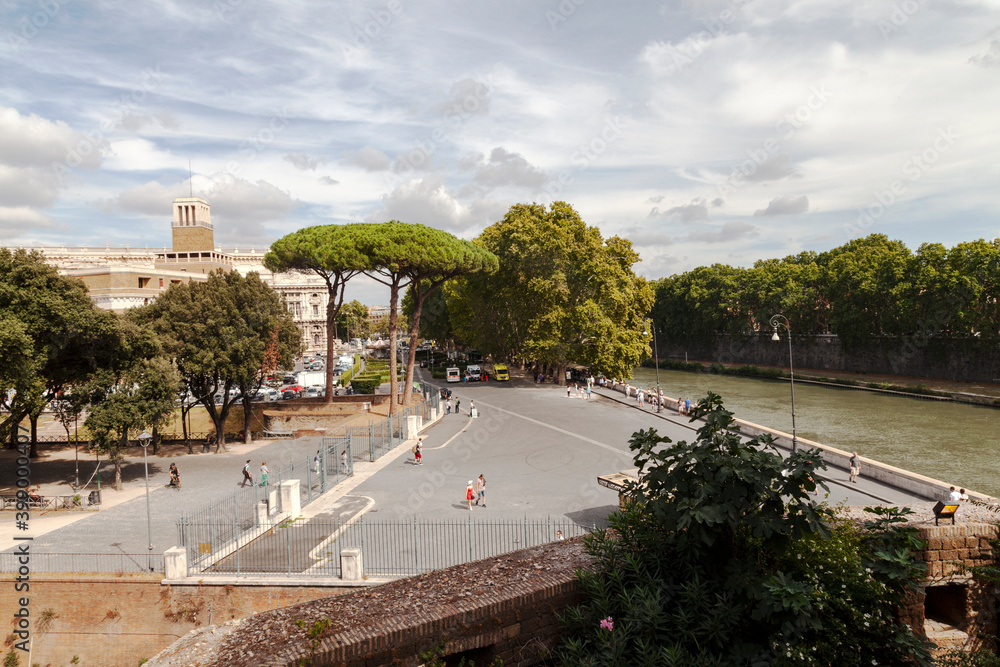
953,442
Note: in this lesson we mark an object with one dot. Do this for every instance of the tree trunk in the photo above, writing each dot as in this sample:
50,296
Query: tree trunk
34,435
247,415
184,427
156,440
411,356
393,363
122,447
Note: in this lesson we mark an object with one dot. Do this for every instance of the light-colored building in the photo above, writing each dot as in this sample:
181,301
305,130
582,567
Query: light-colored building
122,278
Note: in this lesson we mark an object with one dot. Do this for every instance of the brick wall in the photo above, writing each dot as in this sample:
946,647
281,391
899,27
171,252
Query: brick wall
120,621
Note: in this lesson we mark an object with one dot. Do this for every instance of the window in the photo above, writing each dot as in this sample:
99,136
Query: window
161,282
315,311
316,340
143,282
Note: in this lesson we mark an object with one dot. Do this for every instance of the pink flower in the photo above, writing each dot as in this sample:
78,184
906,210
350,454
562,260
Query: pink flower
607,624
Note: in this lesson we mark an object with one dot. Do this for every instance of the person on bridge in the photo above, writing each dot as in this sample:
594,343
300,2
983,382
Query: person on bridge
470,495
855,467
481,490
264,472
247,477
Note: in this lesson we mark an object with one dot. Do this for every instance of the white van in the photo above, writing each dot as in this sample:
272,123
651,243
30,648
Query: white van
453,375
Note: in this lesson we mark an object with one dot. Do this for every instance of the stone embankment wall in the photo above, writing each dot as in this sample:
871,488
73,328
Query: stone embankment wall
958,360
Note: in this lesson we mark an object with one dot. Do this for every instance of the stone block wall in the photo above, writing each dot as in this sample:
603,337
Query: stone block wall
955,610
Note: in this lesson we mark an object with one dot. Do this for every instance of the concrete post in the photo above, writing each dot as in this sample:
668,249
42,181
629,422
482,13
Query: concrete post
175,563
411,427
351,565
290,500
262,516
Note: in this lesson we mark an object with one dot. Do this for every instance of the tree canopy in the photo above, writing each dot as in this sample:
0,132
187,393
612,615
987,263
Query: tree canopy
422,258
331,252
53,336
218,333
562,294
870,286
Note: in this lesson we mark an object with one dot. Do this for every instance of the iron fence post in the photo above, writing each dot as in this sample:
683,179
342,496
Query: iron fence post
416,547
371,442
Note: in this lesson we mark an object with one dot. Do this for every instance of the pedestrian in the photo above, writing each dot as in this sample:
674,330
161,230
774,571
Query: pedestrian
962,495
559,536
569,391
954,496
680,406
447,407
264,471
855,467
418,452
458,406
687,406
316,462
588,392
469,494
472,408
343,460
247,477
481,490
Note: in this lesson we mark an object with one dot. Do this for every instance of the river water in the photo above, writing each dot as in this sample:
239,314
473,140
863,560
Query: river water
953,442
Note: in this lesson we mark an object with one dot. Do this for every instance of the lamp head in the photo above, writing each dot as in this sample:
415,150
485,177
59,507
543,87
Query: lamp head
144,439
775,336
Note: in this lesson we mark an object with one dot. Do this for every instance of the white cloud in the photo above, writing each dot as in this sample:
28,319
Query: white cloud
785,205
427,201
368,158
17,220
504,168
304,161
32,141
729,232
696,211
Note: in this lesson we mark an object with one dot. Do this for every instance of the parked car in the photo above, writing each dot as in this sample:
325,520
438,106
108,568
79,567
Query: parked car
500,373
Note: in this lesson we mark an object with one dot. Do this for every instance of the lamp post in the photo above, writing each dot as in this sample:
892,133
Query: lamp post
776,321
144,440
656,365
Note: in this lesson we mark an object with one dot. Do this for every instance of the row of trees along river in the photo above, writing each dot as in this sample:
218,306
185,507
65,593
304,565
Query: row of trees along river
953,442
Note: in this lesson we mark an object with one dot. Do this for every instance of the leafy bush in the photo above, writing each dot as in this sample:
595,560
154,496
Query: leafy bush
365,383
722,557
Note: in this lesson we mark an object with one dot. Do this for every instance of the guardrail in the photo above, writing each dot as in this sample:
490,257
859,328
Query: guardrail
389,548
77,503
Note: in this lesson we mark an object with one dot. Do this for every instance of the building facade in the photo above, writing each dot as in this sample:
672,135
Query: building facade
122,278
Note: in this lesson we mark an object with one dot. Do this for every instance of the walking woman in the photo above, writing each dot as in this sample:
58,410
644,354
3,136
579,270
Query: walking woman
470,495
264,472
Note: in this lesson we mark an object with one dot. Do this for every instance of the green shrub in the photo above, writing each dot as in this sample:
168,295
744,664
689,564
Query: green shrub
721,556
366,384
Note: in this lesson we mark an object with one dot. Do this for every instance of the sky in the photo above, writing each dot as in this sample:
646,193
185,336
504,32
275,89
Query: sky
712,131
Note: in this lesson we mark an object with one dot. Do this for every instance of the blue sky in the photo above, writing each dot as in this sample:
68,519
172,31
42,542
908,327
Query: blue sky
703,131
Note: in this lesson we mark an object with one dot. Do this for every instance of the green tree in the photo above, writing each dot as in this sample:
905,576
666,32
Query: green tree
562,294
353,320
218,332
53,336
405,255
332,253
134,393
721,557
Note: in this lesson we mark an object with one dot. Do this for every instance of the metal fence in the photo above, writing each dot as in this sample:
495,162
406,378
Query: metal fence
113,563
388,548
225,523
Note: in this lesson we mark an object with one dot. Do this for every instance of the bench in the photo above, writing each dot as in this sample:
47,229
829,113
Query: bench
282,434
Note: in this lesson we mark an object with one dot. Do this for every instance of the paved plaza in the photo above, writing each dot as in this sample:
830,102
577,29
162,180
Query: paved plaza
540,452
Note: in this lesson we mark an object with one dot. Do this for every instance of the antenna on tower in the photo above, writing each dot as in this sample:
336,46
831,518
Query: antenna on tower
190,177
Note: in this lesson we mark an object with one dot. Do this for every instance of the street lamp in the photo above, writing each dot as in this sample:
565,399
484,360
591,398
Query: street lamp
144,440
776,321
656,365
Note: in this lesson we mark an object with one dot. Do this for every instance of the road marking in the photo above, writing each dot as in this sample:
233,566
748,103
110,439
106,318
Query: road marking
560,430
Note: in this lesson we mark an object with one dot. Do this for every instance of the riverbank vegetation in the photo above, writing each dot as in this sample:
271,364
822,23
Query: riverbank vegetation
721,556
867,287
